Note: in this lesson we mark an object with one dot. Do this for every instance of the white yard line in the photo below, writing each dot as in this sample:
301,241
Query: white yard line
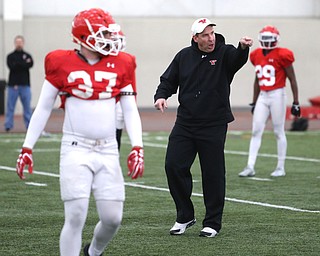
157,145
232,152
259,179
36,184
131,184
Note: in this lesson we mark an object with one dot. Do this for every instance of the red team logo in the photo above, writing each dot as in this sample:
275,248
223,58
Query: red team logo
213,62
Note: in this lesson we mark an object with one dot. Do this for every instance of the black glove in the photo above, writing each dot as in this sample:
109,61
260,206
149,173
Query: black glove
252,107
295,109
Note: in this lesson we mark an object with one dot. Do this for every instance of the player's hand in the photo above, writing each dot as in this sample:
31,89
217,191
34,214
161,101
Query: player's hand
253,105
136,162
25,158
295,109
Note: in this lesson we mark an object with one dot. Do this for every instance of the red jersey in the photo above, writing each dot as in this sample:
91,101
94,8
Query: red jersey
72,75
270,68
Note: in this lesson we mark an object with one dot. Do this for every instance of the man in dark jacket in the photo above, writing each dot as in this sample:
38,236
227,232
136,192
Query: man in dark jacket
19,62
203,73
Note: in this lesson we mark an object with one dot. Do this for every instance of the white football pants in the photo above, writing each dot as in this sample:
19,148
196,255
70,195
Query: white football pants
269,103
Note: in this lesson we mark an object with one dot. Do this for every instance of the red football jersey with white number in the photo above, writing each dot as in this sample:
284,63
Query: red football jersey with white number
72,75
270,68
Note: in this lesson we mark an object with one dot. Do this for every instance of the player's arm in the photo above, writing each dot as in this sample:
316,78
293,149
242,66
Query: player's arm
132,120
295,109
131,117
41,113
256,91
37,124
293,82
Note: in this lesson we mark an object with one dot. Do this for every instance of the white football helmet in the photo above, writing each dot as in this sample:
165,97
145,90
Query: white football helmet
269,37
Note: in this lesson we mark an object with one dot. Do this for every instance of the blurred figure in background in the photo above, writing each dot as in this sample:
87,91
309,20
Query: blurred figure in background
19,62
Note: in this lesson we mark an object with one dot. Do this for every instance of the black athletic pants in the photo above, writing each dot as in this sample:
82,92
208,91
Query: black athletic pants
184,144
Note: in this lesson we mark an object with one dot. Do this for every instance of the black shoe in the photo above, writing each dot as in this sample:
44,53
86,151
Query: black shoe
86,250
8,129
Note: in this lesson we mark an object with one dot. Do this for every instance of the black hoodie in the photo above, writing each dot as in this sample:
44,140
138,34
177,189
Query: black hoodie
19,63
204,82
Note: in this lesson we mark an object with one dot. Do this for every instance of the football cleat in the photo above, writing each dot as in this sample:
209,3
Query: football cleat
247,172
208,232
86,250
180,228
278,172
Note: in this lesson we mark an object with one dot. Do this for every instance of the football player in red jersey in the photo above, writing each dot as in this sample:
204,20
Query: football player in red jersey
273,65
89,81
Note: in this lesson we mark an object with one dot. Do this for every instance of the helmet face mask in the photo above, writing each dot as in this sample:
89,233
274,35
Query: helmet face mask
122,38
269,37
96,30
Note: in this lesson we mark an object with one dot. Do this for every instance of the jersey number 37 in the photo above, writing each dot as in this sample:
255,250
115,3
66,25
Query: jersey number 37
101,87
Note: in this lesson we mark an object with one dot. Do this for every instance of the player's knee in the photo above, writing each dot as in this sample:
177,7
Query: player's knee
112,221
257,132
278,132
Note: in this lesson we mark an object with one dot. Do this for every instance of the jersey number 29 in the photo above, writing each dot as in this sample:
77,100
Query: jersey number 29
266,75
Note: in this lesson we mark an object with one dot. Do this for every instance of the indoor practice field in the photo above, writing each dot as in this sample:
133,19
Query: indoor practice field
263,215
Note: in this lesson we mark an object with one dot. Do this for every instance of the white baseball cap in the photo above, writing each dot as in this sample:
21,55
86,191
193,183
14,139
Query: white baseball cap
200,24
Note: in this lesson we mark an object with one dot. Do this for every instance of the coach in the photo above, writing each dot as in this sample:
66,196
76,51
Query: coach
203,73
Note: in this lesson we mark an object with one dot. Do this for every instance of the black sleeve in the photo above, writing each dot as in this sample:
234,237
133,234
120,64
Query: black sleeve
237,57
10,62
29,64
169,81
16,63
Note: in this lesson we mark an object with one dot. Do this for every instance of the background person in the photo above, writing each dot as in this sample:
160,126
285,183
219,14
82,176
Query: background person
89,80
203,73
273,65
19,62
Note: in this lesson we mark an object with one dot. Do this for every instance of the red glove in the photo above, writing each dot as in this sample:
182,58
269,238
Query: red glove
25,158
136,162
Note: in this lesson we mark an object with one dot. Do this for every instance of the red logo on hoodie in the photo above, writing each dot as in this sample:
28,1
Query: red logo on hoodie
213,62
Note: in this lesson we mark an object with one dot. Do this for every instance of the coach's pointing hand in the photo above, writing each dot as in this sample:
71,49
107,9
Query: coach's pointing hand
161,104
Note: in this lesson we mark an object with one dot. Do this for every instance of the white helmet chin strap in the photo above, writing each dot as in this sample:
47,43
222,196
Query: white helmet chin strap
103,45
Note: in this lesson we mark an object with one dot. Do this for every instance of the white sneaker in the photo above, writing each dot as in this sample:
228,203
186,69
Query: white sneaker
45,134
180,228
208,232
279,172
247,172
